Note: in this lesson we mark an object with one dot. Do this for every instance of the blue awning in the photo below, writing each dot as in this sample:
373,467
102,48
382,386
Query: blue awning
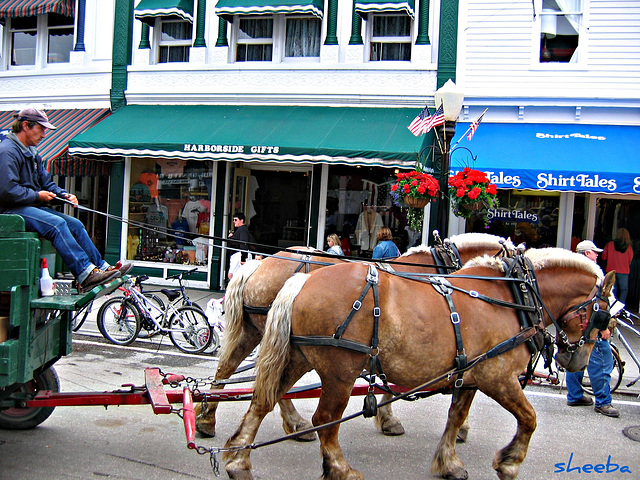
566,158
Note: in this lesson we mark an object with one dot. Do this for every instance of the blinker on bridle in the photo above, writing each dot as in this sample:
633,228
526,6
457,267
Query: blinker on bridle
599,318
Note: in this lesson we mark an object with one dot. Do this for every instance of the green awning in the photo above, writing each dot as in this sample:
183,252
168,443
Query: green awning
376,6
148,10
227,8
53,148
30,8
335,135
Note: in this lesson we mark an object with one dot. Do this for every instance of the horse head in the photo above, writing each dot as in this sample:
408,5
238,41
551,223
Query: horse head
578,297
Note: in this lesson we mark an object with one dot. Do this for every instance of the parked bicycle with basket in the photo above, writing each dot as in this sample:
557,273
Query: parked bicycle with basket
121,319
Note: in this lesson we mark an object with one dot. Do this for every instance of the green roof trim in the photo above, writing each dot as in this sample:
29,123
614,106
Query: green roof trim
333,135
227,8
148,10
372,6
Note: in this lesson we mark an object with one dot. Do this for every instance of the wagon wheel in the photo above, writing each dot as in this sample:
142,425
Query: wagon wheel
25,418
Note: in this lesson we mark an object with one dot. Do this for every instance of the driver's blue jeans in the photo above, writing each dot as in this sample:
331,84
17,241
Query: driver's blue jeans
68,236
599,368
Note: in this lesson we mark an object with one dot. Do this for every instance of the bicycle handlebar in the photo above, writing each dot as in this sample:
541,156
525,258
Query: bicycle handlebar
186,273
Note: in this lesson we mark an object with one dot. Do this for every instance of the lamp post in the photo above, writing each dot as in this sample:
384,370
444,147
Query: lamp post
451,98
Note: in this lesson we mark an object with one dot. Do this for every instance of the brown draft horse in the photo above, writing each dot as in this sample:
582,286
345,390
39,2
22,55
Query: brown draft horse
256,284
417,343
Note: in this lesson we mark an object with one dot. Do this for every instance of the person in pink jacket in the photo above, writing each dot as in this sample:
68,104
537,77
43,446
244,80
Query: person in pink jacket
619,254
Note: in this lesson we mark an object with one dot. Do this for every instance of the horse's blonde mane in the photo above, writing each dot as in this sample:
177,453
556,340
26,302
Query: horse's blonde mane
543,258
479,240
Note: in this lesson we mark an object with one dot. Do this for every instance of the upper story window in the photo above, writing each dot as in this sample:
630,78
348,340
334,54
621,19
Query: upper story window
37,41
276,38
174,41
389,37
561,24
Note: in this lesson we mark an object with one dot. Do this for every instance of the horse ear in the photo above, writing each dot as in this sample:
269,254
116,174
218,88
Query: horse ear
609,281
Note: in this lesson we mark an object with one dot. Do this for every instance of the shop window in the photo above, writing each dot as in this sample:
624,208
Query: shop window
169,210
40,40
561,22
389,37
277,38
358,204
527,217
174,41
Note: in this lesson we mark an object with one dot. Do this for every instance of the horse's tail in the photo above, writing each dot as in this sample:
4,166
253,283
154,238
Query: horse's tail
234,305
275,345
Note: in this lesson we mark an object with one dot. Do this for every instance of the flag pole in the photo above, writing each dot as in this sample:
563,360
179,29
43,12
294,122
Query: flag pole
469,128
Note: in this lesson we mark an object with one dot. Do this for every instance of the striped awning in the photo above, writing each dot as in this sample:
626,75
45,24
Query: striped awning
30,8
148,10
54,147
227,8
376,6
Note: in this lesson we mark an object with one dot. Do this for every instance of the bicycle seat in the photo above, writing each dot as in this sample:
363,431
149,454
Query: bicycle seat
171,294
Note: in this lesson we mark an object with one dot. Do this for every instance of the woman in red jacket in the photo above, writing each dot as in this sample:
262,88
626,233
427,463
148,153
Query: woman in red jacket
619,254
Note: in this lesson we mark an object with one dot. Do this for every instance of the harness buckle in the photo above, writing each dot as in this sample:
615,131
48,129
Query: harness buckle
474,294
356,305
376,311
455,318
458,383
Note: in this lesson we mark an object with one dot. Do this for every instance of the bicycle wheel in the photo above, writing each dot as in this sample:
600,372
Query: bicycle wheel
119,321
616,373
79,316
148,328
190,330
215,344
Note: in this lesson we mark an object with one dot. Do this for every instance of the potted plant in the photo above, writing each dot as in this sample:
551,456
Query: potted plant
414,190
471,191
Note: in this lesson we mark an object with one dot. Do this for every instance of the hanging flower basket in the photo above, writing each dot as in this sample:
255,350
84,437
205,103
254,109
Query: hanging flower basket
415,190
415,202
470,192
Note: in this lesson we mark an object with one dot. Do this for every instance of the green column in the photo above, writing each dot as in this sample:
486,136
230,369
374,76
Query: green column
447,51
122,51
356,27
423,23
144,37
332,23
202,11
222,34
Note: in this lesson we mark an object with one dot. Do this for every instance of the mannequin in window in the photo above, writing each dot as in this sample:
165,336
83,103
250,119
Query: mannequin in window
367,227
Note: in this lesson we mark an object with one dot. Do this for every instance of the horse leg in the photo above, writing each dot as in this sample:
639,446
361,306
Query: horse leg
333,401
293,422
230,357
238,463
445,461
386,421
463,433
508,460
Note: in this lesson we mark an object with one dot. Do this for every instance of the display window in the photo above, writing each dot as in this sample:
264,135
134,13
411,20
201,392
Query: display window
525,216
359,204
170,211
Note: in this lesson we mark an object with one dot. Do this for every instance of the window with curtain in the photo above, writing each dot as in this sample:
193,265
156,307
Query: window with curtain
175,41
390,37
254,39
302,37
560,24
40,40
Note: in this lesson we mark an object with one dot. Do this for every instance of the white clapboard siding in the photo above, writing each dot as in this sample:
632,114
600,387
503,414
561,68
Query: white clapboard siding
498,46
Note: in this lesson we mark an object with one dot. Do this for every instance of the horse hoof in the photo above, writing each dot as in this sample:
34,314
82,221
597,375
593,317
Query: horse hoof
206,430
307,437
393,429
239,474
457,474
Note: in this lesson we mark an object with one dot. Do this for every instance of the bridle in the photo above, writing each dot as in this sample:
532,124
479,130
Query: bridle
599,318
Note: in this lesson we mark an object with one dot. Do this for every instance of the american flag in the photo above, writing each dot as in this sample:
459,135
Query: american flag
435,120
474,126
416,125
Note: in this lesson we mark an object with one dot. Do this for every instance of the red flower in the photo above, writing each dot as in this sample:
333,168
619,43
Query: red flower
492,189
473,194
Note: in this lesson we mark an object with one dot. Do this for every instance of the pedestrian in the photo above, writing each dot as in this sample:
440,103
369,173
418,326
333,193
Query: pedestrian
241,240
27,189
619,255
385,247
334,244
600,362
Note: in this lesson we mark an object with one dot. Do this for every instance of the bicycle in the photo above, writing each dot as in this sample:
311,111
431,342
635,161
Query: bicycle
120,320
